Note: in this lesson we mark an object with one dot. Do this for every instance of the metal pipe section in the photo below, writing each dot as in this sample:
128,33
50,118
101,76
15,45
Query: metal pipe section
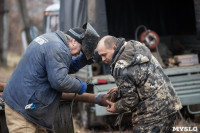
86,97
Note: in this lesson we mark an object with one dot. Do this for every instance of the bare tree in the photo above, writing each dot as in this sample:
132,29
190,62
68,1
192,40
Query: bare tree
3,31
25,22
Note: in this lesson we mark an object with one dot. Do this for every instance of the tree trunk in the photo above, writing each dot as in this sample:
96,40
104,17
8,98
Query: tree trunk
3,32
25,21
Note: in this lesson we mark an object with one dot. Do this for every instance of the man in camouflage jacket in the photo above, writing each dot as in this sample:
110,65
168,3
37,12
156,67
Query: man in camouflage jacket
143,88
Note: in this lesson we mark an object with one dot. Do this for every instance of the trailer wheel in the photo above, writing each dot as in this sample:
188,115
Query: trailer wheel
63,122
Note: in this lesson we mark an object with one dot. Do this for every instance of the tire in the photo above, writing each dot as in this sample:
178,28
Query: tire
63,122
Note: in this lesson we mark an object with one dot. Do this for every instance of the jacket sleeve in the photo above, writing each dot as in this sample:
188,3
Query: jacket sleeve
129,78
57,61
129,99
77,63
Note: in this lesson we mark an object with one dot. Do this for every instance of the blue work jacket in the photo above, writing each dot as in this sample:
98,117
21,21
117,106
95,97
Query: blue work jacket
35,87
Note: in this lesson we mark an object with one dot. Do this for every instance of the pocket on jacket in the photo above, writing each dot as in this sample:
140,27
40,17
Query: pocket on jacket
41,107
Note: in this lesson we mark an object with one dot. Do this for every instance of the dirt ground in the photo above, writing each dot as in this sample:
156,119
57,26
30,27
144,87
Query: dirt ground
13,60
178,123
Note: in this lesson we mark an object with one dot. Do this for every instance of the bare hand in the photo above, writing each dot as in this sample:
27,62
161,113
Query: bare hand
112,90
111,107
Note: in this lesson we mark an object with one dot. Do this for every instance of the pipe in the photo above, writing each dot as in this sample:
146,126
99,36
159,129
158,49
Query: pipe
86,97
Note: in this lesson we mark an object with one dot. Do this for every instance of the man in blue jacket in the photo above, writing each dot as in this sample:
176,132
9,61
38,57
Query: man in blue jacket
33,92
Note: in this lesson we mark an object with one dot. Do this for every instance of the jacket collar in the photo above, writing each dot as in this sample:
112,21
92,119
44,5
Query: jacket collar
62,37
120,48
119,44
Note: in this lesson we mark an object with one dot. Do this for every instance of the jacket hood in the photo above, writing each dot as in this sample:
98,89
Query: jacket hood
142,54
133,52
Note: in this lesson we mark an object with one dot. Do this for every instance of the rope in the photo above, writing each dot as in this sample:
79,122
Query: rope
71,106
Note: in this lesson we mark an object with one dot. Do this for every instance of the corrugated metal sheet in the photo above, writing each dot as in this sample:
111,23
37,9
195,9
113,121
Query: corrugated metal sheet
73,13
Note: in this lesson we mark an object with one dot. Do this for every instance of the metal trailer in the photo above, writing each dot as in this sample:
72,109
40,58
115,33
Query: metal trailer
51,18
186,82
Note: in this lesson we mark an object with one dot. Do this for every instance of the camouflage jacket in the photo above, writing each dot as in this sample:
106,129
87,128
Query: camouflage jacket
144,88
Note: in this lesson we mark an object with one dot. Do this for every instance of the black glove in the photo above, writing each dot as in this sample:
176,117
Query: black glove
97,57
90,61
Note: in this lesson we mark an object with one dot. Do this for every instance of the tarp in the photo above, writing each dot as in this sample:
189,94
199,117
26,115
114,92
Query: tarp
73,13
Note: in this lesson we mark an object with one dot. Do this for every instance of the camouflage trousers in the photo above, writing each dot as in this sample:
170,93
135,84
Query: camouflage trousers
161,126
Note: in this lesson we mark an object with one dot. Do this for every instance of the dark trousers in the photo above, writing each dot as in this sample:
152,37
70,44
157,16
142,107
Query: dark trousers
161,126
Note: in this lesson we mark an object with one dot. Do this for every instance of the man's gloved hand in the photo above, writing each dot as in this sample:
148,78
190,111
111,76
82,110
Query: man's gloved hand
100,99
97,57
113,94
83,88
88,62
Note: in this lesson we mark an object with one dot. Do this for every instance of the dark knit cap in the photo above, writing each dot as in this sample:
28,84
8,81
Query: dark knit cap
76,33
